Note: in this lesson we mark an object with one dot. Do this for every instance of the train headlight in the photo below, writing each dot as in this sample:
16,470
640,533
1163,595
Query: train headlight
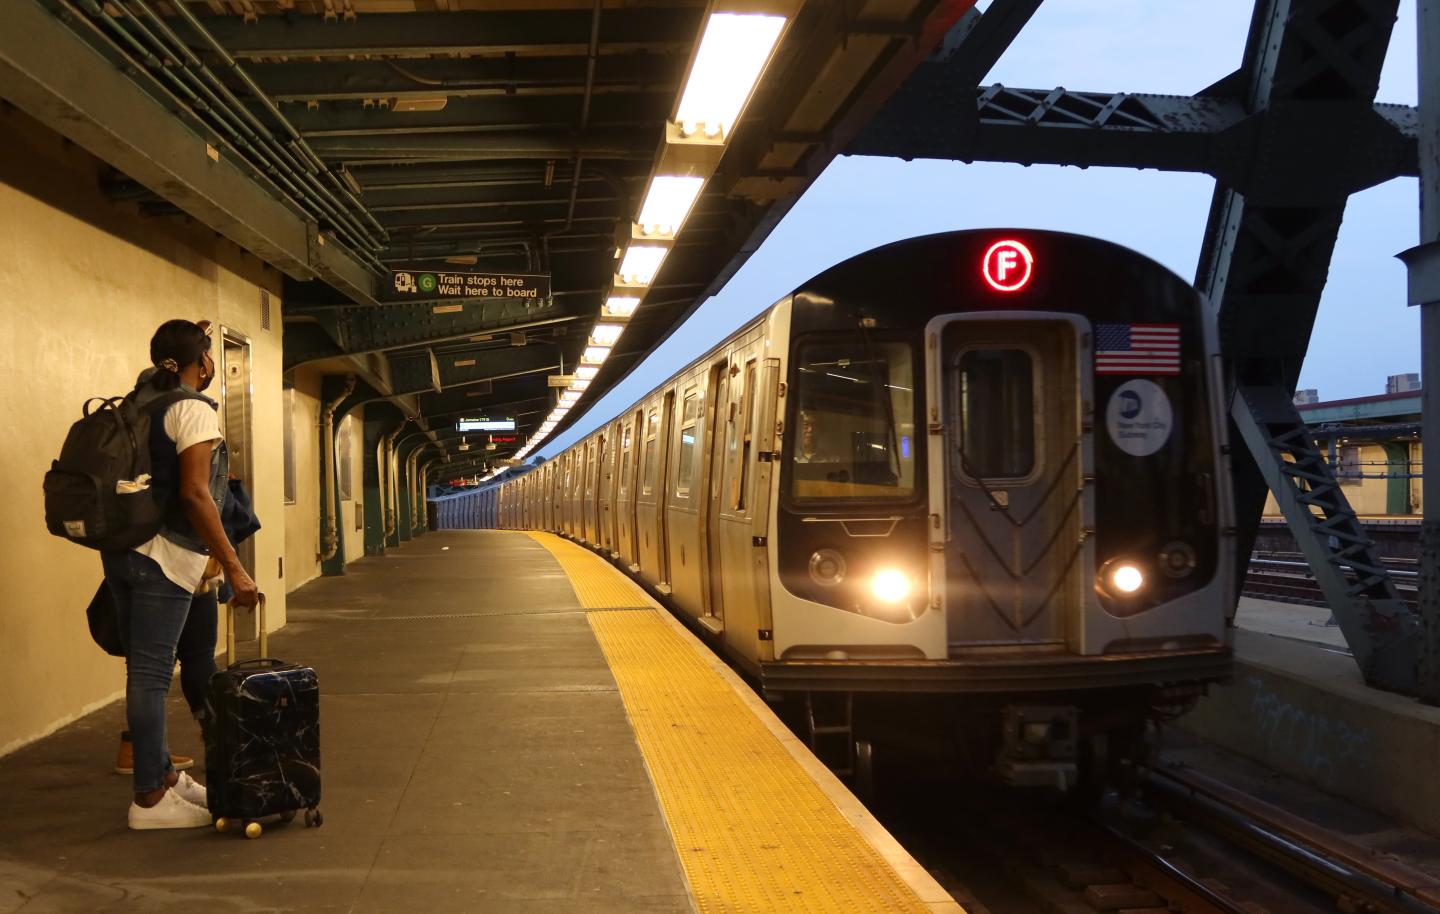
1122,578
827,567
890,585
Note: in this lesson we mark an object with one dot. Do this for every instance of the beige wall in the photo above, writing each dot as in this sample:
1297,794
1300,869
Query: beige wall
83,284
302,519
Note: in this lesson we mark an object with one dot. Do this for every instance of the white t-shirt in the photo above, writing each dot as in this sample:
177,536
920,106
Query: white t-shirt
187,423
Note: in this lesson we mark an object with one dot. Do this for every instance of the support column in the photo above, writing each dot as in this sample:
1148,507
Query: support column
376,421
1424,290
333,390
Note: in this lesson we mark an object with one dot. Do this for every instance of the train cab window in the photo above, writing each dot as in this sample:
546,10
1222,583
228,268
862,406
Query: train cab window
647,478
854,423
996,414
686,470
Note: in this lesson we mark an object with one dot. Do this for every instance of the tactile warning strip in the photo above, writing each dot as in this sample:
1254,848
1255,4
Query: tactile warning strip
597,585
753,831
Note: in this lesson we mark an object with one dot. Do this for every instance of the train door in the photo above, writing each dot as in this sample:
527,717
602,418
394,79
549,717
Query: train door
711,507
625,510
662,523
1007,470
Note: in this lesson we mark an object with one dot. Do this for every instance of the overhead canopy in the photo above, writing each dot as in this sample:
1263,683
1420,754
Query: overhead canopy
368,148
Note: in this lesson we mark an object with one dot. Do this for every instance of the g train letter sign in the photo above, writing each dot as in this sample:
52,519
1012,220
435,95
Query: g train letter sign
1007,266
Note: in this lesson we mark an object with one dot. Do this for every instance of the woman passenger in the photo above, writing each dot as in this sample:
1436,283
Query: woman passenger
154,583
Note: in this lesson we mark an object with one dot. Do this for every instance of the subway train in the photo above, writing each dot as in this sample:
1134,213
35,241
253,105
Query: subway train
966,492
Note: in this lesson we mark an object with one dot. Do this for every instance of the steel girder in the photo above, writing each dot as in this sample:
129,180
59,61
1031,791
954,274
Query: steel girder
365,80
363,330
1264,264
600,143
1423,263
423,371
532,33
74,88
644,114
1208,134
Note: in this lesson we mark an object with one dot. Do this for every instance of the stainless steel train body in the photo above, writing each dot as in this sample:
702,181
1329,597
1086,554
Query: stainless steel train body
975,464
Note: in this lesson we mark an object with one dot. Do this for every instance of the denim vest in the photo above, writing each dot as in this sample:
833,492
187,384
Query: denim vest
165,472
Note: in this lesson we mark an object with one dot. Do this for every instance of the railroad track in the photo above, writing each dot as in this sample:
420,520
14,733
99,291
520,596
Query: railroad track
1286,578
1195,846
1356,880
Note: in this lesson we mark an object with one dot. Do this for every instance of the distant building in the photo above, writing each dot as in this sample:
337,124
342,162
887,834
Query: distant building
1400,383
1373,445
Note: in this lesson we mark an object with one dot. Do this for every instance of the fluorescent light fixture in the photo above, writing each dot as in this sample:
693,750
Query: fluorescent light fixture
642,262
570,397
579,384
594,355
667,203
620,306
733,52
606,334
586,372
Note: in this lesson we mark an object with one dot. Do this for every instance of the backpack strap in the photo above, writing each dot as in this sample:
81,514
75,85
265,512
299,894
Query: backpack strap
160,402
105,403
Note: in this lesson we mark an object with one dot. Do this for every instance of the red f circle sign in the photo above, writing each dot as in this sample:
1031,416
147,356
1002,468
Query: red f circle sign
1007,266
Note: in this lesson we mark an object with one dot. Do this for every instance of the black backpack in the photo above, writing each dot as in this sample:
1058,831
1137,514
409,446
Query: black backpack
87,496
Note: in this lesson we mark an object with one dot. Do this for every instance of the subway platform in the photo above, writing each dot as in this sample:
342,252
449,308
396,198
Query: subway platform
508,725
1298,706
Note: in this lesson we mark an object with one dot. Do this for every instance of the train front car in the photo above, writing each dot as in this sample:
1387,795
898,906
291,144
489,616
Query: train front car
1002,495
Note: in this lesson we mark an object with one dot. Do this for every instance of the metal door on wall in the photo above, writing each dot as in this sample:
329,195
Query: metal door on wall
1010,475
235,411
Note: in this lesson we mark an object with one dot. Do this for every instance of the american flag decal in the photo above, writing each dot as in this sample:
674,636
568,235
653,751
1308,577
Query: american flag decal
1137,349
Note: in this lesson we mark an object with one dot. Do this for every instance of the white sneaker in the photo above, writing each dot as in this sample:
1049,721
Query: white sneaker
173,811
191,790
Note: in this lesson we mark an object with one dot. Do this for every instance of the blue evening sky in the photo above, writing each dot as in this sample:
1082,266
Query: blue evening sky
1364,331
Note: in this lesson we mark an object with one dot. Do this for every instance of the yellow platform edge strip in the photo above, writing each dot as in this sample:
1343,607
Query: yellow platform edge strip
753,830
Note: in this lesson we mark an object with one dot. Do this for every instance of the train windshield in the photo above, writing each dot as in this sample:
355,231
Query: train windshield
854,421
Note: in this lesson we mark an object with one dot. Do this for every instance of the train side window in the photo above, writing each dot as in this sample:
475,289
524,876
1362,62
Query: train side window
997,413
686,470
626,437
647,479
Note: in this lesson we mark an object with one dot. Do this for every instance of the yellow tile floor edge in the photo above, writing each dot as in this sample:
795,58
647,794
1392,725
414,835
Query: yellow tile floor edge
758,823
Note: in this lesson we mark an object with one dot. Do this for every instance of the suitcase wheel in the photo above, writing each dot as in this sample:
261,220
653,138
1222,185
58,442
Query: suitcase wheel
253,830
222,824
314,818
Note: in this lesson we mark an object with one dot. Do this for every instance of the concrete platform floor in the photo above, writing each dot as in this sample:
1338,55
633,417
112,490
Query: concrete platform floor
477,758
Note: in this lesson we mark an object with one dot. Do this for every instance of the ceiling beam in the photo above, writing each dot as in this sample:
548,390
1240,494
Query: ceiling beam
498,113
620,144
520,32
357,80
51,73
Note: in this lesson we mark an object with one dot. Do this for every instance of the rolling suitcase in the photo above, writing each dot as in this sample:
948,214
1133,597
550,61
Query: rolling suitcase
262,745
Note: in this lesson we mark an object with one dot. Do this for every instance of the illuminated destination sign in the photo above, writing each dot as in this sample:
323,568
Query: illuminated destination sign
485,424
430,285
504,439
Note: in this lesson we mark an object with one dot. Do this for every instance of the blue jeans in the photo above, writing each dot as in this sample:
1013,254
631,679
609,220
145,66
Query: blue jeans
152,611
196,651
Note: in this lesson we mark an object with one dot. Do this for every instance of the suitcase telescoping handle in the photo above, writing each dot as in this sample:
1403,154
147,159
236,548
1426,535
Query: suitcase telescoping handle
230,631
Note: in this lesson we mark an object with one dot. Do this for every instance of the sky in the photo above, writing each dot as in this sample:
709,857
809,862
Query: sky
1363,333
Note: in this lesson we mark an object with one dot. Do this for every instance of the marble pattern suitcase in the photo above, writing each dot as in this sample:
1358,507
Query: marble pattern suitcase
262,747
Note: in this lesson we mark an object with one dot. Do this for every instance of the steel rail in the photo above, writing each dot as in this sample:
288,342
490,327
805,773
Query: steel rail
1373,887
